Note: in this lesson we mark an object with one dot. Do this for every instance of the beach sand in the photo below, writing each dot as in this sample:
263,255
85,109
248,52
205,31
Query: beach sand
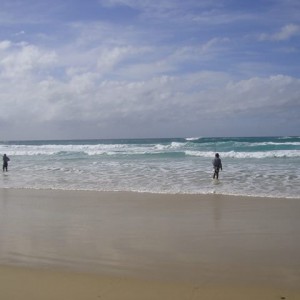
122,245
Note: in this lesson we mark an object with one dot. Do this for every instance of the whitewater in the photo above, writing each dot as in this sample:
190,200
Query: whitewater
254,166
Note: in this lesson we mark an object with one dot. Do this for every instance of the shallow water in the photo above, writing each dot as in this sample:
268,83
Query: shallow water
260,166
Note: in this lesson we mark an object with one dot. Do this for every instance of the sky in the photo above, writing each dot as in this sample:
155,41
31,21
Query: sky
93,69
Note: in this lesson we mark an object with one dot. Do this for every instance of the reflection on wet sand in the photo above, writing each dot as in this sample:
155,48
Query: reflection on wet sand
184,237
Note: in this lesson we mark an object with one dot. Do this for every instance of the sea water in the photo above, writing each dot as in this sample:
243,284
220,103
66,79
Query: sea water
256,166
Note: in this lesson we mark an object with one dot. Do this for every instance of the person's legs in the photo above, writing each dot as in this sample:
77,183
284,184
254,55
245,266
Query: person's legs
216,174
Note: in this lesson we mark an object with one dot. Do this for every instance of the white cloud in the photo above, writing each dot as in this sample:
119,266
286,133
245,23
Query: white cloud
214,43
20,33
258,94
285,33
85,97
142,4
5,45
109,58
180,72
18,59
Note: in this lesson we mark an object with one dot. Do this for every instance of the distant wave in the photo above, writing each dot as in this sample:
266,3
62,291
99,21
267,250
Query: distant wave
288,137
192,146
170,165
233,154
192,138
174,148
98,149
274,143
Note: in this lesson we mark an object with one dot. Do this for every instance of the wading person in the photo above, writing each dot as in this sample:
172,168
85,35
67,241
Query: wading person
217,165
5,162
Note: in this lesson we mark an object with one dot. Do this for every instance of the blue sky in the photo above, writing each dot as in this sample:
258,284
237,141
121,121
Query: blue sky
133,68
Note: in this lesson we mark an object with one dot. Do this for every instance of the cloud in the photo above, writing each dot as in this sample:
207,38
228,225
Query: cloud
179,12
285,33
272,94
5,45
146,5
172,67
20,33
89,101
109,58
18,59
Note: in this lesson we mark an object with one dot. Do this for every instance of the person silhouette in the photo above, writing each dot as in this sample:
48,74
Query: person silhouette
217,163
5,162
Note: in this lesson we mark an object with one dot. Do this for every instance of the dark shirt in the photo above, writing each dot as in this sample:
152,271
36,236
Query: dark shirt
217,163
5,159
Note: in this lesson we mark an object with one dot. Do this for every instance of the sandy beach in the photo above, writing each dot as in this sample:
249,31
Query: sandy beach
119,245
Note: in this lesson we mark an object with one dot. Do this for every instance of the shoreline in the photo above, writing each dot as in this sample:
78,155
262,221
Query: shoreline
211,194
174,242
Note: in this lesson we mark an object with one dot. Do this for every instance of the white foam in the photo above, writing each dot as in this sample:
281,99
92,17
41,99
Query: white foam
176,145
193,138
99,167
234,154
274,143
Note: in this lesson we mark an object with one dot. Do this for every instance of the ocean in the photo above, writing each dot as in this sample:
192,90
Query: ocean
253,166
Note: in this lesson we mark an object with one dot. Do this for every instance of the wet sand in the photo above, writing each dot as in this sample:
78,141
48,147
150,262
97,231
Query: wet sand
109,245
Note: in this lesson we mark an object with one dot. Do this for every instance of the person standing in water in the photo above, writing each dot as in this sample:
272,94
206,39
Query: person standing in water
5,162
217,163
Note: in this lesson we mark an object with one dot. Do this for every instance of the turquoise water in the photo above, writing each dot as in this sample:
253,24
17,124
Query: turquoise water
258,166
